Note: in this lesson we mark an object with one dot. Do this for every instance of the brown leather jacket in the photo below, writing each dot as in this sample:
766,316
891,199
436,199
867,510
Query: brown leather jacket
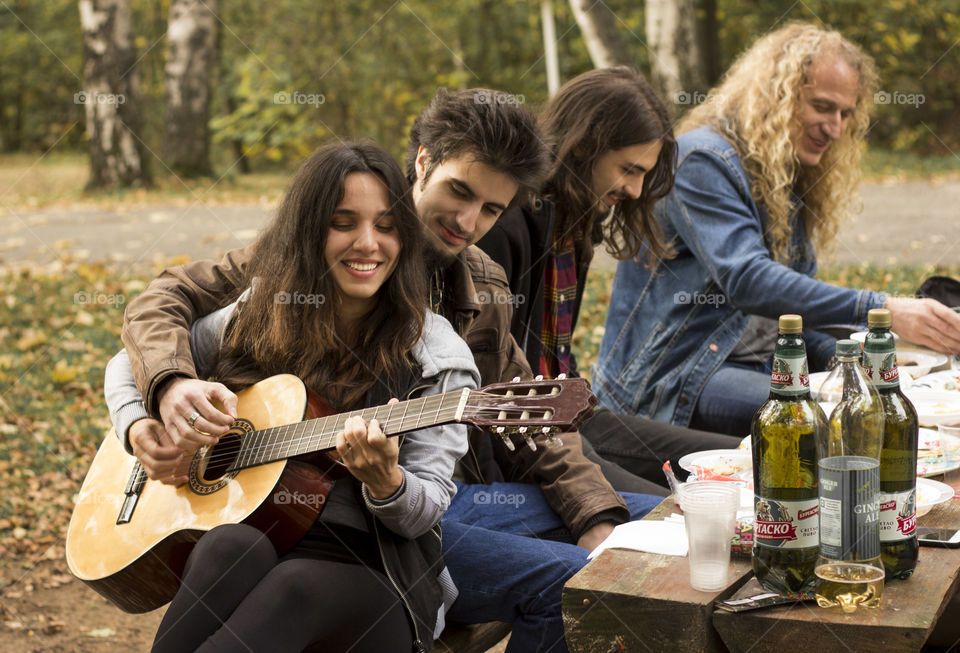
156,332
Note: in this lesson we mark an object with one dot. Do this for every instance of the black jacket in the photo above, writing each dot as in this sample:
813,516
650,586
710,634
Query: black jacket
520,242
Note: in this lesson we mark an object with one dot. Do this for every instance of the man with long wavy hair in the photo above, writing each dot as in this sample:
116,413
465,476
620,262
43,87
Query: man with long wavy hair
768,167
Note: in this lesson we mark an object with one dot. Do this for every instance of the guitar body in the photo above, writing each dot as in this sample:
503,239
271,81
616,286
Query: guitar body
129,537
137,564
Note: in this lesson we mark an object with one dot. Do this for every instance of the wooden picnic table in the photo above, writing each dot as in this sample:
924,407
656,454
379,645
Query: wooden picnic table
635,601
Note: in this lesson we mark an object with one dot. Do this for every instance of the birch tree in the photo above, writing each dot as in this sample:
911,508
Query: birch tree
677,52
191,60
110,95
599,28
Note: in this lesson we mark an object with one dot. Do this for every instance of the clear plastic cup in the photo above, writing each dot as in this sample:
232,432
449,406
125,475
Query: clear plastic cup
709,515
950,440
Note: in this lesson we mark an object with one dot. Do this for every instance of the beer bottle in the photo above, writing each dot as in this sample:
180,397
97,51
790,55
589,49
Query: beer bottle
849,569
898,459
784,435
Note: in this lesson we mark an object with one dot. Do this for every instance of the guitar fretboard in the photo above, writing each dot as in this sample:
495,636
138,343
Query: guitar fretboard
280,442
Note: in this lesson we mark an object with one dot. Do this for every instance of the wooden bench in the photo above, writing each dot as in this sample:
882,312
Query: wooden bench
473,638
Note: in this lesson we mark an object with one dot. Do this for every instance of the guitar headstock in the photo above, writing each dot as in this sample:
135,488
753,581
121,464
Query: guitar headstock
541,405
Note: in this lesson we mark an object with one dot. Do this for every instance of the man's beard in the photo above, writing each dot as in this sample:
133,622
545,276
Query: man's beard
436,259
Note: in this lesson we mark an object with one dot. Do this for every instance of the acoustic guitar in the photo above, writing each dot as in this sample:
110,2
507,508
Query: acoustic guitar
129,536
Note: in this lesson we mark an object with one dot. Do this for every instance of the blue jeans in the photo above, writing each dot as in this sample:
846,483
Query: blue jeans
735,391
509,555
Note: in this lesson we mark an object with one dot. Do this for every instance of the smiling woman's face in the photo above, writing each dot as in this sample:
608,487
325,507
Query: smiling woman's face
362,243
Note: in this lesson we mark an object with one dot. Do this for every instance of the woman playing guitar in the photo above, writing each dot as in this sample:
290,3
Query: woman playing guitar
337,296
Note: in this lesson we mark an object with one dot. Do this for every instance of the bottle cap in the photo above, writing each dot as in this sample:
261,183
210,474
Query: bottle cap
848,348
791,323
878,318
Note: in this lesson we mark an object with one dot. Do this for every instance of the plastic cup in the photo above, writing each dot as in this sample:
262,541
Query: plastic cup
709,515
951,443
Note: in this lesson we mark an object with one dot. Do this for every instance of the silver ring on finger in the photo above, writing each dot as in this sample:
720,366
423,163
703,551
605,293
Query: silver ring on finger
192,420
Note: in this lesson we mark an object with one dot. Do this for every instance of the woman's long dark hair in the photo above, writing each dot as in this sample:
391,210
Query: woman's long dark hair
598,111
288,325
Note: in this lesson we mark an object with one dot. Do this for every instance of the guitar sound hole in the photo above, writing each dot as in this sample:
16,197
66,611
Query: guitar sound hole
221,457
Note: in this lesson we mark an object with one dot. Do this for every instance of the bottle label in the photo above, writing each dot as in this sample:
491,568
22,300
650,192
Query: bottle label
785,524
898,515
881,368
849,507
790,376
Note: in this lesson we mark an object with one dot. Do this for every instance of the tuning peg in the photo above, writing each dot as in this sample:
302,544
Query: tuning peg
538,377
551,441
561,377
526,438
502,432
515,379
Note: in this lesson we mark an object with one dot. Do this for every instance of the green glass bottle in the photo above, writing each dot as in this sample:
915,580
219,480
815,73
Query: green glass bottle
898,459
784,435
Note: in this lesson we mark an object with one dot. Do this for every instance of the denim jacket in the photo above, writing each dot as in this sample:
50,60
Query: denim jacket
671,327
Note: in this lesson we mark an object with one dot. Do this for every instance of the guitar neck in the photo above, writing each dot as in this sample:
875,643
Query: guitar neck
320,434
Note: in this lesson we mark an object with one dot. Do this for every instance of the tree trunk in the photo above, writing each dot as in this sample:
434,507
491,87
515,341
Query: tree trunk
599,28
708,31
677,60
191,59
110,95
550,47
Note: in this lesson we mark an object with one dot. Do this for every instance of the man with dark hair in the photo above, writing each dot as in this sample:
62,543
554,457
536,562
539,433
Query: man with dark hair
507,500
613,158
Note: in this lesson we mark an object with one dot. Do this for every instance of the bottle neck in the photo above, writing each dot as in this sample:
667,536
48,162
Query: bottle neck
879,360
790,376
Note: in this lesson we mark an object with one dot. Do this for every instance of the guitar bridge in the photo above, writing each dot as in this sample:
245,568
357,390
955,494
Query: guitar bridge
132,493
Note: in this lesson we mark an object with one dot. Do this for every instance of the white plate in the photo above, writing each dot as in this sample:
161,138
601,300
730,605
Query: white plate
930,493
935,406
918,363
945,381
937,453
720,462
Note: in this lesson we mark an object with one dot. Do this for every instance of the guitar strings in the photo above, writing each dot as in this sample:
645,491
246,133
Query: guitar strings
297,441
249,450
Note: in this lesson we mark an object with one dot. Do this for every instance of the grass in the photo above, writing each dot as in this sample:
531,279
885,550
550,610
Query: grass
32,181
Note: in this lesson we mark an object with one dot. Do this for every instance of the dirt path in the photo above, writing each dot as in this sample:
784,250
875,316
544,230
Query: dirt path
70,618
912,222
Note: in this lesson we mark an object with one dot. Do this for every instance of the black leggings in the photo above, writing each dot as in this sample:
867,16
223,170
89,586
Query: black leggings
236,596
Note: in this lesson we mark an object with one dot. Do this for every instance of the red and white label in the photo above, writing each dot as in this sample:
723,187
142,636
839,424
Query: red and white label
881,368
786,524
898,515
790,375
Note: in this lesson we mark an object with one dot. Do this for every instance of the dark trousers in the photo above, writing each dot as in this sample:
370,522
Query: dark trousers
631,450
